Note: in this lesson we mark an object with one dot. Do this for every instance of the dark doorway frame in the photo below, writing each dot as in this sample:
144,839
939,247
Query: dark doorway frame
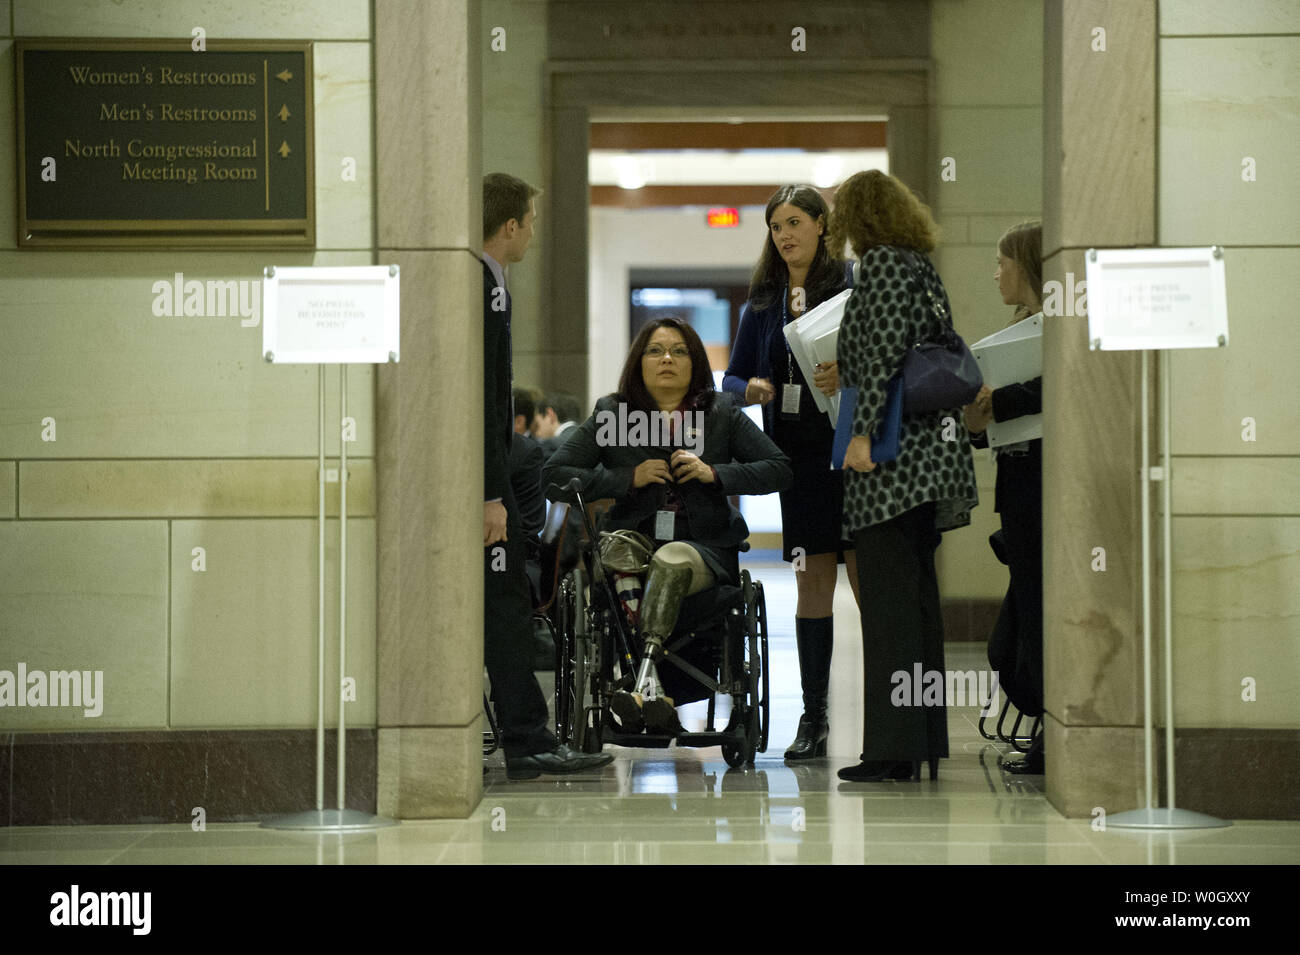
578,91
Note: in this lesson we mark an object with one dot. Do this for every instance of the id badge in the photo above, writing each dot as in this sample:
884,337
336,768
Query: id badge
790,396
664,522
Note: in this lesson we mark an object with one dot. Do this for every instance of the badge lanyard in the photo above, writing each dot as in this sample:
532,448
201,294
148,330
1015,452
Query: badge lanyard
790,392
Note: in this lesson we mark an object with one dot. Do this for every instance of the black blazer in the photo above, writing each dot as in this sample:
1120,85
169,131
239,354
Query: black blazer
498,401
526,484
1018,478
745,459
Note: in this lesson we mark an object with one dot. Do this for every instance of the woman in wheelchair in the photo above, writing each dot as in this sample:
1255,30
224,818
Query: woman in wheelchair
669,450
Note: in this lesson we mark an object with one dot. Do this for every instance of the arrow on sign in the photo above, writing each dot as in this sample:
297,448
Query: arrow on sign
284,75
284,113
283,150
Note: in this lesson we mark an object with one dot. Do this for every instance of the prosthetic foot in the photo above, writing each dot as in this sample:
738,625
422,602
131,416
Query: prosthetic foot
666,586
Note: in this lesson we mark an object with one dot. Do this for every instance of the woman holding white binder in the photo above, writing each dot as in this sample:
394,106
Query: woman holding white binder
1016,646
797,271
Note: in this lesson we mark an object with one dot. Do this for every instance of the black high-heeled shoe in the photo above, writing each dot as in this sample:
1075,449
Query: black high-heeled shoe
934,768
810,741
877,771
883,770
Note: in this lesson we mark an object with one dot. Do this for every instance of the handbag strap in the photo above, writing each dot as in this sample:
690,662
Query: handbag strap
938,310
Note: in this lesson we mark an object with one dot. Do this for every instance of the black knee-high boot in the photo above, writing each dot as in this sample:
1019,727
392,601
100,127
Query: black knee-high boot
814,638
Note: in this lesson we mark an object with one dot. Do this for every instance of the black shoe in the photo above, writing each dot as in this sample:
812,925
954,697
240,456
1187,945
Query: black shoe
876,771
628,710
883,770
813,637
661,717
558,762
1032,765
810,741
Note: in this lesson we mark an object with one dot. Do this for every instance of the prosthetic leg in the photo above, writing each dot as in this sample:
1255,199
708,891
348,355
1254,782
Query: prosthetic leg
667,584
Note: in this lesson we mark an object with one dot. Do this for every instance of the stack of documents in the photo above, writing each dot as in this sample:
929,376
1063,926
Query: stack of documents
1009,357
812,337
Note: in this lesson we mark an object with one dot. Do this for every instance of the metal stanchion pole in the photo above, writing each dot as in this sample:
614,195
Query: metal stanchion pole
342,818
343,578
1153,817
320,594
1148,727
1166,461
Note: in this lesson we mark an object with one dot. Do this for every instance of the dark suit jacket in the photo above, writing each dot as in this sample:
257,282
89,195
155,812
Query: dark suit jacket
1019,481
498,417
526,459
751,354
551,445
745,459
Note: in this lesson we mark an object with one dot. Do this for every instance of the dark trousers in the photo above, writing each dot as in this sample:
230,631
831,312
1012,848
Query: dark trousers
508,646
1016,646
901,627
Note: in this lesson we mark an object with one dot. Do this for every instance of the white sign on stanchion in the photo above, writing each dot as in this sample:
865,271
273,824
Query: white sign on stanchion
336,316
1157,300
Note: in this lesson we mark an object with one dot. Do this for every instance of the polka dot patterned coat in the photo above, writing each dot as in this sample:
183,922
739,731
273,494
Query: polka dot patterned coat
887,313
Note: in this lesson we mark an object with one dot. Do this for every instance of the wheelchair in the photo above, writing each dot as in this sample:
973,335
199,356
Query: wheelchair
719,646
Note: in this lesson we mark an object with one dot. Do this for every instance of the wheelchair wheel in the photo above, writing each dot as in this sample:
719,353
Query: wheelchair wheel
759,623
749,722
587,677
740,750
566,614
575,704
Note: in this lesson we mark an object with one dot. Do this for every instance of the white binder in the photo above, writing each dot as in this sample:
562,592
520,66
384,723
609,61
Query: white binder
812,337
1009,357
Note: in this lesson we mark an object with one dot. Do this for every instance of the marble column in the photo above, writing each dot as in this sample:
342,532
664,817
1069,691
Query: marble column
1099,171
429,474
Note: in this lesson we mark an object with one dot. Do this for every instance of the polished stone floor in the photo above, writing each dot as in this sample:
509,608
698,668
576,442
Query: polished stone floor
687,806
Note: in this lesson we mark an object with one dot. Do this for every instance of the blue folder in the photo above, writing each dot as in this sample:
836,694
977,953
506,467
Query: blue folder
884,443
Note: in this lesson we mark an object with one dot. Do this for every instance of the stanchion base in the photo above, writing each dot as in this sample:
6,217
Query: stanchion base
329,820
1164,818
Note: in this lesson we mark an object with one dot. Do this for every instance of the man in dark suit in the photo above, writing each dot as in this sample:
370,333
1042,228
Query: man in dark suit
555,418
531,749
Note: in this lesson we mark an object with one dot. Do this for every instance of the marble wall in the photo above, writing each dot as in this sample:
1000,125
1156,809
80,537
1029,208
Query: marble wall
514,123
987,117
172,434
1229,88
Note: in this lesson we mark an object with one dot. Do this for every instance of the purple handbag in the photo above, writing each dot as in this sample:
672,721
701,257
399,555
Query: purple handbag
938,374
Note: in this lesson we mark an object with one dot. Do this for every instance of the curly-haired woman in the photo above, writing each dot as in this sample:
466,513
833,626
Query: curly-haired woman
895,511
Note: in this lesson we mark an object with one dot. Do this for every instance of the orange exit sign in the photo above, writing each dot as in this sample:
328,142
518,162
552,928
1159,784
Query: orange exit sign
720,218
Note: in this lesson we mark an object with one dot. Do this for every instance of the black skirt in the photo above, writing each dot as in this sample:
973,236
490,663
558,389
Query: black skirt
812,507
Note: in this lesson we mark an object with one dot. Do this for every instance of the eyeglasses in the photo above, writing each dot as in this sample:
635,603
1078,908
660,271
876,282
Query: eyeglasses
677,351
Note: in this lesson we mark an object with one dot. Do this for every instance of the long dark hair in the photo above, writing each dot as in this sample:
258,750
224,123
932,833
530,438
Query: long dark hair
631,383
825,274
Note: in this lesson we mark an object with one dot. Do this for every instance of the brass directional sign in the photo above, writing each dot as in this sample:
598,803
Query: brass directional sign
151,143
